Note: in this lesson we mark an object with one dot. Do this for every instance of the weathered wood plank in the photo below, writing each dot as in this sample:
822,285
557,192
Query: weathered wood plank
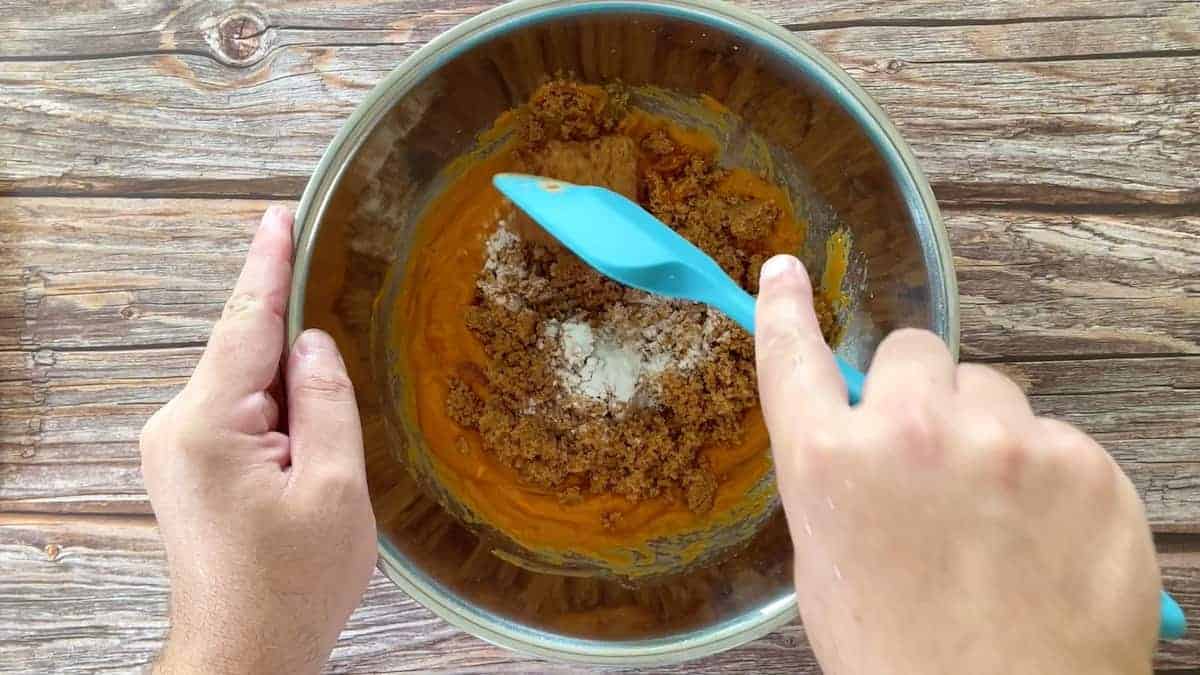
1142,36
99,345
1083,105
97,274
88,594
68,432
1050,285
1003,110
129,273
31,28
104,29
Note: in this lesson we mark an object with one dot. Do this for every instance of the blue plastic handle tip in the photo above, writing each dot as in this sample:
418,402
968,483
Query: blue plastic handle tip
1173,625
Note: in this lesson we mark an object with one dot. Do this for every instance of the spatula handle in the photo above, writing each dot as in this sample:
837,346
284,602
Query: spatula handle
1172,624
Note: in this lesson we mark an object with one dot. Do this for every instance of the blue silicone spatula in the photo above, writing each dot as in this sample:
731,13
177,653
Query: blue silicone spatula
627,244
636,249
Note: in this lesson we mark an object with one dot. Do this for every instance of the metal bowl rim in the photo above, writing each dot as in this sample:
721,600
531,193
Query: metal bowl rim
834,82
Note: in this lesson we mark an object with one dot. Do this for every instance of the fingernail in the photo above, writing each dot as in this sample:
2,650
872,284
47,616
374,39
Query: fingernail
778,266
277,214
313,343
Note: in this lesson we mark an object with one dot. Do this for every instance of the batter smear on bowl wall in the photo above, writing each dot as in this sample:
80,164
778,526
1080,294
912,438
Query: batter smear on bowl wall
604,404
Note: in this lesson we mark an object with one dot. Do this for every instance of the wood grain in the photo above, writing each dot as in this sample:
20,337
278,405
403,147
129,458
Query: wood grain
1063,137
95,28
95,588
100,583
1000,111
68,432
101,274
125,273
117,298
1045,285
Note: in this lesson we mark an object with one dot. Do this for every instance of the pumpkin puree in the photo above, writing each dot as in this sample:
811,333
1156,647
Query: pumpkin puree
449,360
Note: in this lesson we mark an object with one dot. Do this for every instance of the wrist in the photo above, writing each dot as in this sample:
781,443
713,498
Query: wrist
184,656
208,641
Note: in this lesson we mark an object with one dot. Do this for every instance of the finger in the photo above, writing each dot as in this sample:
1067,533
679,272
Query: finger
152,438
983,390
909,365
1077,455
797,374
322,412
279,397
256,413
243,352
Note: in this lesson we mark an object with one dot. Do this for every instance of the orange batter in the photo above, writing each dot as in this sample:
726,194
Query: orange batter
434,344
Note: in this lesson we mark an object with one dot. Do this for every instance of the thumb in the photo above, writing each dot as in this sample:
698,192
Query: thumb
322,412
797,374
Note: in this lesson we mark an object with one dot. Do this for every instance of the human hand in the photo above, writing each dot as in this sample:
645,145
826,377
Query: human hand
268,529
940,526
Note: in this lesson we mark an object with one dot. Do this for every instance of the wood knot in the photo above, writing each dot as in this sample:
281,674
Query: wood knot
129,312
52,551
239,37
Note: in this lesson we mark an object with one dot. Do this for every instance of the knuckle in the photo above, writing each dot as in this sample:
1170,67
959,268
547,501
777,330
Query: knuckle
974,372
1075,451
190,434
916,337
260,412
241,303
989,434
223,341
984,371
778,336
805,453
913,425
1065,441
341,483
1001,448
787,351
343,477
151,437
1011,457
1097,472
973,377
1094,462
329,386
821,440
195,435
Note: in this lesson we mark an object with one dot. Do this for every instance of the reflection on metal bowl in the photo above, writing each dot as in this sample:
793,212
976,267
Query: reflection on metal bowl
795,116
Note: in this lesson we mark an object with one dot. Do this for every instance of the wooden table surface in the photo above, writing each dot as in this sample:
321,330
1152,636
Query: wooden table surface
140,140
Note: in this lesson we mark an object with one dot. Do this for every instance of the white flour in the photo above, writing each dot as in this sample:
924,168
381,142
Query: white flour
600,367
617,357
502,273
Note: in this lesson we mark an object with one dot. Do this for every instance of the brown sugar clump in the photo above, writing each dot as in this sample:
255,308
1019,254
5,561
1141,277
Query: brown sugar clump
609,161
463,404
592,387
570,111
751,219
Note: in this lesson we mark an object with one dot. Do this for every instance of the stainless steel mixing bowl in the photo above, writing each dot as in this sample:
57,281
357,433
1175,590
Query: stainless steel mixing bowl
799,119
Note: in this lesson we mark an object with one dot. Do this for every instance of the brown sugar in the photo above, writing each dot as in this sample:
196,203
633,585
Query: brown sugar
609,161
463,404
592,387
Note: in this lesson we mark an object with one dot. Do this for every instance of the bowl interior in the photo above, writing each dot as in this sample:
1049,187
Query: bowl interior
789,115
